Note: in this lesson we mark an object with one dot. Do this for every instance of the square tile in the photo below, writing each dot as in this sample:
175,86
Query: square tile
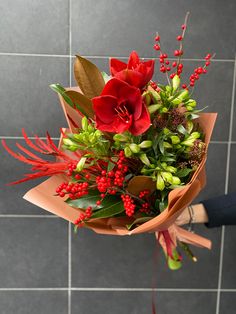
34,302
116,28
215,171
228,273
232,169
11,201
102,261
141,302
35,26
227,302
33,253
29,102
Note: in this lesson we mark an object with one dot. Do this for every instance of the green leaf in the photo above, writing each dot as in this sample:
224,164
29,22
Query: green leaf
161,147
138,221
88,77
182,129
91,199
61,91
183,172
110,210
110,165
106,77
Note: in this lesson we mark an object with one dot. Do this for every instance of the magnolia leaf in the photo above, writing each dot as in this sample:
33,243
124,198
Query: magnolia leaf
140,183
91,199
88,77
138,221
110,210
81,102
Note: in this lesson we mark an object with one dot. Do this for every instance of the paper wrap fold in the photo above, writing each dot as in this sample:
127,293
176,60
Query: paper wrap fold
43,196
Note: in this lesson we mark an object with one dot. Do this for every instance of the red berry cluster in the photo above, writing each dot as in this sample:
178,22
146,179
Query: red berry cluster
108,181
73,190
145,208
199,70
128,204
71,168
83,216
144,193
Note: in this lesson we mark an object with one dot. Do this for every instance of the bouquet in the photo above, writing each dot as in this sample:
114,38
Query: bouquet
133,155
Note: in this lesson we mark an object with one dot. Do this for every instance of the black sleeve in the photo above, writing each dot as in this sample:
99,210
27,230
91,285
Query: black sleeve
221,210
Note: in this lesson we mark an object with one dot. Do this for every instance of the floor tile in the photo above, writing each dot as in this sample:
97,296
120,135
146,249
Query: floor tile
227,302
116,28
11,201
113,261
33,302
35,26
228,273
28,102
33,253
215,170
232,169
141,302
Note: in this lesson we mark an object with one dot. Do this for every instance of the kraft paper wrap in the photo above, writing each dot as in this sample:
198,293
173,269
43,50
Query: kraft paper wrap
43,196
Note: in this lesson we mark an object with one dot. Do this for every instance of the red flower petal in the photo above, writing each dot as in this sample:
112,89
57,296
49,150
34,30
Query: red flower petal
142,124
116,66
133,60
132,77
104,108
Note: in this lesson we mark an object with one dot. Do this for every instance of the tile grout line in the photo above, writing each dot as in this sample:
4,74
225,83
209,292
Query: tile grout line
69,223
19,54
27,216
226,190
90,289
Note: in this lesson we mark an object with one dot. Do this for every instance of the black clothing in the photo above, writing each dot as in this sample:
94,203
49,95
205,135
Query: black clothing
221,210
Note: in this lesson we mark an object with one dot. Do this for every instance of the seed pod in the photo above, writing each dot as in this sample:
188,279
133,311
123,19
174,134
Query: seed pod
171,169
120,138
144,159
192,103
175,82
167,145
145,144
81,163
153,108
84,123
160,184
175,139
128,152
167,176
134,148
176,180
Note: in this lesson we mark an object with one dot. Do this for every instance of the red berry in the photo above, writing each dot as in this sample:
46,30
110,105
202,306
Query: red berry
87,176
208,56
207,63
183,26
157,38
167,62
98,202
179,38
172,75
174,64
191,84
176,53
184,86
156,47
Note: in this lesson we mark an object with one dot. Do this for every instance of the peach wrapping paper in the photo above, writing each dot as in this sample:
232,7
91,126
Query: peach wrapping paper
43,196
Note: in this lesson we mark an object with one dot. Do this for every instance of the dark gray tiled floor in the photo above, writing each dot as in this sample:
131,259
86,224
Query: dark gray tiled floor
26,99
232,169
228,303
11,201
140,302
116,28
33,253
107,261
33,302
216,163
229,274
35,27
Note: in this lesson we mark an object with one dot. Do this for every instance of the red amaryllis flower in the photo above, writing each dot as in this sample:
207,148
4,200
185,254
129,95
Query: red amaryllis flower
135,72
120,108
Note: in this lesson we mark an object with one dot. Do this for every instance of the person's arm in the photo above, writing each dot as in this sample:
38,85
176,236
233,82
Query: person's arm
214,212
